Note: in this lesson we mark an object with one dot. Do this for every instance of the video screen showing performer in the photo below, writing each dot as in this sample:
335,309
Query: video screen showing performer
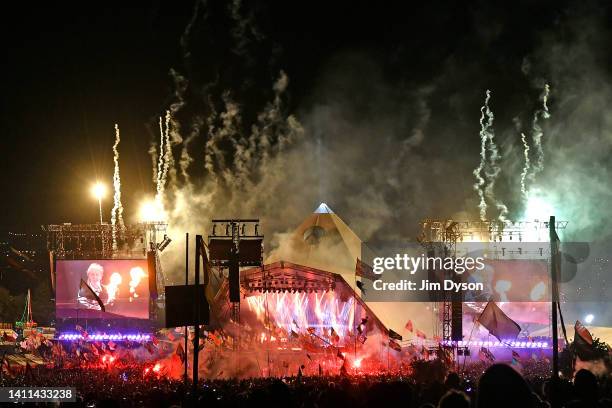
102,289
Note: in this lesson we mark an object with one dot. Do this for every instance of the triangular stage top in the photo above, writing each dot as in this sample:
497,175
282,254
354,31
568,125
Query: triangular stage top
321,241
323,209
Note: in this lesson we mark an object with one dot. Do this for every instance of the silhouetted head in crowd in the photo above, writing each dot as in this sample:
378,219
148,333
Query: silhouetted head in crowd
585,386
453,381
454,399
502,387
394,393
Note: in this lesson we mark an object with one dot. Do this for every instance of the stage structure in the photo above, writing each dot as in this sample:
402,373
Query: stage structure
291,315
441,237
122,284
235,243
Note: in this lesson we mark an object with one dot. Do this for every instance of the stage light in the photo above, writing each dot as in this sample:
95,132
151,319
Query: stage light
98,191
588,319
151,211
165,242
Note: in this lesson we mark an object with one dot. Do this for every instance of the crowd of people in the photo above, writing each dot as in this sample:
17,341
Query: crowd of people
499,386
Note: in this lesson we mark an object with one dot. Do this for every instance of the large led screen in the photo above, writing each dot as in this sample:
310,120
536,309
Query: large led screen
86,287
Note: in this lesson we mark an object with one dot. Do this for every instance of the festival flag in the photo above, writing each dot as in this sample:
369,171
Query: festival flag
363,325
445,354
486,355
420,334
180,352
582,333
516,360
364,270
81,330
583,342
90,294
395,336
409,326
343,370
394,345
498,323
335,338
361,287
171,336
155,340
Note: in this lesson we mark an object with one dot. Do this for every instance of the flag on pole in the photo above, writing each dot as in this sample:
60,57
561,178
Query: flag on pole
409,326
516,360
420,334
583,342
335,338
498,323
485,355
395,336
582,333
394,345
364,270
180,352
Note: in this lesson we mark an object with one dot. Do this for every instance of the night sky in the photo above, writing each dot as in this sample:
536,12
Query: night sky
71,73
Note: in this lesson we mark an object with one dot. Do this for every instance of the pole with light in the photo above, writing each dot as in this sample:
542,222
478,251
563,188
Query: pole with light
98,191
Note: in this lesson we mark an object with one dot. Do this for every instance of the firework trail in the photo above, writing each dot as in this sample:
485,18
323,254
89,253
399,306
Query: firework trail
168,158
525,166
542,113
214,160
480,182
493,169
153,153
117,211
185,158
160,161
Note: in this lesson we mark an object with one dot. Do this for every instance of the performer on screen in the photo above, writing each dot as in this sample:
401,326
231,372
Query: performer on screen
95,272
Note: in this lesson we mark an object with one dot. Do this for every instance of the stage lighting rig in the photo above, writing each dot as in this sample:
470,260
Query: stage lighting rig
164,243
